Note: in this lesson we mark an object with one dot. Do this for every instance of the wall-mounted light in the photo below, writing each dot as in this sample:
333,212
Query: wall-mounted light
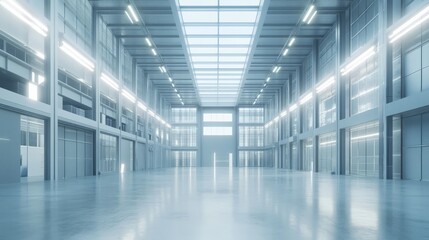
327,83
410,24
306,98
128,96
151,113
17,10
293,107
76,55
142,106
109,81
358,60
40,55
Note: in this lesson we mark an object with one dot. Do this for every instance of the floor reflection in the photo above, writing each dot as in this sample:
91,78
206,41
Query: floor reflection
221,203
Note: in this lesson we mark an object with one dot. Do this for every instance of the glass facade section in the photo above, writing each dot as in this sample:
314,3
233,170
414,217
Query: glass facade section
108,153
364,150
327,153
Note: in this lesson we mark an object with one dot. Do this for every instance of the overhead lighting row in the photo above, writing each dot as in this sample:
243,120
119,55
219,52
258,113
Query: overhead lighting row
303,100
132,98
131,14
308,18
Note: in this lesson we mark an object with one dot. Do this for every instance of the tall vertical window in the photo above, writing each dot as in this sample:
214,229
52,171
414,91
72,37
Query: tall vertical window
363,150
327,155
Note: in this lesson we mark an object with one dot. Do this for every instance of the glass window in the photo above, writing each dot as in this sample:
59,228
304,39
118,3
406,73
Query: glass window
217,131
327,153
363,153
217,117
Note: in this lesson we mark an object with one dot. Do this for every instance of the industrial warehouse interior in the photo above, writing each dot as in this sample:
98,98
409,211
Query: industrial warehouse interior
214,119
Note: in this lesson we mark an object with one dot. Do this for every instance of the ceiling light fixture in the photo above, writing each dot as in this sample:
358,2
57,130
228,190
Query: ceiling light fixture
292,40
133,13
309,15
286,51
149,43
154,52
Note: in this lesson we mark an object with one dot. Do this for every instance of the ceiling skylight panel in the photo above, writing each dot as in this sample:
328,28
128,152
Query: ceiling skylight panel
247,3
204,59
200,16
238,16
203,50
233,50
202,41
206,76
201,30
235,41
232,58
235,30
227,65
203,65
190,3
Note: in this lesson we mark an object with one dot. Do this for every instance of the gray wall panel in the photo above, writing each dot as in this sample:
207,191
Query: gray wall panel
10,140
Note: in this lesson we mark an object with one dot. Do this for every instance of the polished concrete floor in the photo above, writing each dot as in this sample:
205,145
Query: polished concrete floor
191,203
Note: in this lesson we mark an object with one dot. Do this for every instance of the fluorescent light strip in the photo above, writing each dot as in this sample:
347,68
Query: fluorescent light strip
133,14
325,84
268,79
151,113
40,55
77,56
128,95
306,98
292,40
282,114
142,106
109,81
309,11
154,52
312,16
410,24
26,17
358,60
293,107
285,51
170,79
148,42
129,17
